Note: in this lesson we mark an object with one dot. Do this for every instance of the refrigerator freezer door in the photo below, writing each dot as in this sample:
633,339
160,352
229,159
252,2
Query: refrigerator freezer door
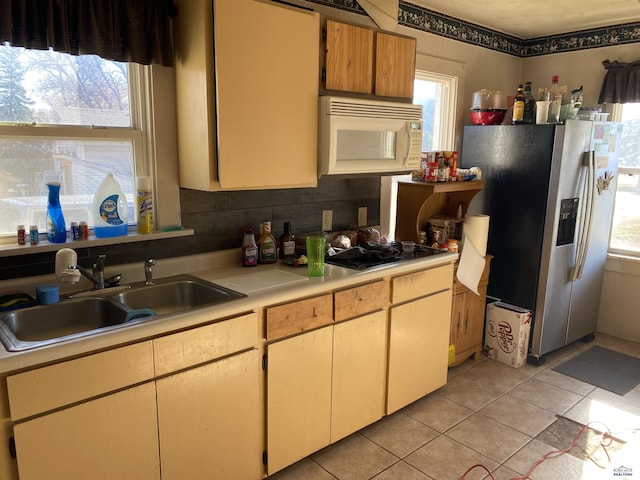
516,163
585,299
566,199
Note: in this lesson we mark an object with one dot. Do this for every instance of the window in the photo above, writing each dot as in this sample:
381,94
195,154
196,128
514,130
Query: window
70,119
437,95
625,233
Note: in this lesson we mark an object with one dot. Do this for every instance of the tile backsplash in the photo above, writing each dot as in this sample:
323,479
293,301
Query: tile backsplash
218,219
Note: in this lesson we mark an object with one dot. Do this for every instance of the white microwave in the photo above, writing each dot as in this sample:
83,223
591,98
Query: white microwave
368,136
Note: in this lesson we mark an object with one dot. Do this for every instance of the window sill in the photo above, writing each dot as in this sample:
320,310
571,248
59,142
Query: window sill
14,250
626,264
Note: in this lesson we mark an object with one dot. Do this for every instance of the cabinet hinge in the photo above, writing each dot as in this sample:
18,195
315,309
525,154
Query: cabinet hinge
264,458
323,74
12,448
264,361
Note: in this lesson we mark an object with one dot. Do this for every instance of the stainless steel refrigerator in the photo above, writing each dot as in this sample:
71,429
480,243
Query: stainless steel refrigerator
549,193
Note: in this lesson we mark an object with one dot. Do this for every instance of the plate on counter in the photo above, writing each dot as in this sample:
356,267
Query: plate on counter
293,262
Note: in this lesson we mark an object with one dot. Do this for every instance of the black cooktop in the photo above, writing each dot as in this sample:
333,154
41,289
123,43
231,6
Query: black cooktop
377,255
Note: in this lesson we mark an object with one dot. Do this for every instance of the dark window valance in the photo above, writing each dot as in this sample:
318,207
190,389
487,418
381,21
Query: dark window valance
124,30
621,83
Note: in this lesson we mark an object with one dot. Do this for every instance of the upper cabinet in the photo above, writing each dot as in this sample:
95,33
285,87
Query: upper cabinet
365,61
247,95
349,58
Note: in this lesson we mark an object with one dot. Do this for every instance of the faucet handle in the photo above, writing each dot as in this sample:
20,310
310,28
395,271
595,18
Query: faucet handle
148,271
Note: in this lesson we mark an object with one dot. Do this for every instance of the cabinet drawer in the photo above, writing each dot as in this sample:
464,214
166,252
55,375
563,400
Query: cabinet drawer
419,284
64,383
361,300
203,344
296,317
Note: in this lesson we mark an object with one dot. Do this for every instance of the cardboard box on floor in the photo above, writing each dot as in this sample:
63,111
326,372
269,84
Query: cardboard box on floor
506,333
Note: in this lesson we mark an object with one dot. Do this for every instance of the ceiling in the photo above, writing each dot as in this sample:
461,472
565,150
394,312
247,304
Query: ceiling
527,19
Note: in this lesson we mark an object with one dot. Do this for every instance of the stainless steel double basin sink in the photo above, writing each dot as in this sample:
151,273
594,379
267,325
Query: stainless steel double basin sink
104,310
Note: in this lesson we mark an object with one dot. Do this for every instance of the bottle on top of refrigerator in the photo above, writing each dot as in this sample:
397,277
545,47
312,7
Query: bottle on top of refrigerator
529,105
518,106
556,101
110,210
144,204
56,227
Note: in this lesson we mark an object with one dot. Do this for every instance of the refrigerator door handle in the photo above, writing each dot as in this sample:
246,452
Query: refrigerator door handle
589,199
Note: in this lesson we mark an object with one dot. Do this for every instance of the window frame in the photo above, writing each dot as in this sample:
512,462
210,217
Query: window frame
447,106
615,112
153,120
444,136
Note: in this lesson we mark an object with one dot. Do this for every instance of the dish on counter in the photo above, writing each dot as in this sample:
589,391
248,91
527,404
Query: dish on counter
295,262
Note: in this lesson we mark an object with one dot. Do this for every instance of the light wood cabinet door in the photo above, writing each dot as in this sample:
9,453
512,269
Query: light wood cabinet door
248,108
115,436
298,397
418,345
395,65
349,57
359,379
209,420
469,319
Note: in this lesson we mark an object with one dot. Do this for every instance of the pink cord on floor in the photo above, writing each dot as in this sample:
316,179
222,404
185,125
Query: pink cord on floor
605,441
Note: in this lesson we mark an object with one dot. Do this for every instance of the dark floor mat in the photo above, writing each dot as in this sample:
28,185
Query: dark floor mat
562,432
604,368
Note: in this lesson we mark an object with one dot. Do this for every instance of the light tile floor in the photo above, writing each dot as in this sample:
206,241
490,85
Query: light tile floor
488,414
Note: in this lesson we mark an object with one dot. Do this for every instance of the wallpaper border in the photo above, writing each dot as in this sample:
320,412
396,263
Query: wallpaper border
429,21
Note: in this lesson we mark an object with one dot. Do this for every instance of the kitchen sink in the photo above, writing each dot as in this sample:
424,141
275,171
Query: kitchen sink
176,294
42,325
46,324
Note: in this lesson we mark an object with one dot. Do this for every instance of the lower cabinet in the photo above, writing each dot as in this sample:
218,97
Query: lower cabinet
208,420
298,397
327,383
187,405
115,436
467,317
418,345
359,373
418,335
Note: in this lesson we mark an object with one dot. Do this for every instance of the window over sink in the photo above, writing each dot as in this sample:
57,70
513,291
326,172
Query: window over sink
70,119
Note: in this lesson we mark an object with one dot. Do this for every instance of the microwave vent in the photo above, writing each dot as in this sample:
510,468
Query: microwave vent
374,109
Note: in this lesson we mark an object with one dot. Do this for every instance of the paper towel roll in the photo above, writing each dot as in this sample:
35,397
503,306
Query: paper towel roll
475,232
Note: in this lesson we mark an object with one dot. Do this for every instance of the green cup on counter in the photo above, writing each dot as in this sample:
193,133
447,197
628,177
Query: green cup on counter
315,255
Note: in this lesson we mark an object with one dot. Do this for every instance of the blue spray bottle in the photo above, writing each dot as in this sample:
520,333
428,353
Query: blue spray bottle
56,228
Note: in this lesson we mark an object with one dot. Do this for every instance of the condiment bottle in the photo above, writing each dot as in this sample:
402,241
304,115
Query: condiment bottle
22,235
435,241
453,245
249,249
34,235
267,251
287,242
518,106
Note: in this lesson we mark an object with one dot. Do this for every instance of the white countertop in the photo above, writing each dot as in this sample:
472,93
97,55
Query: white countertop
217,266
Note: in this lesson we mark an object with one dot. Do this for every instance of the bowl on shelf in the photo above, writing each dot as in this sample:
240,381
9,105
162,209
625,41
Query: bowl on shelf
487,116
